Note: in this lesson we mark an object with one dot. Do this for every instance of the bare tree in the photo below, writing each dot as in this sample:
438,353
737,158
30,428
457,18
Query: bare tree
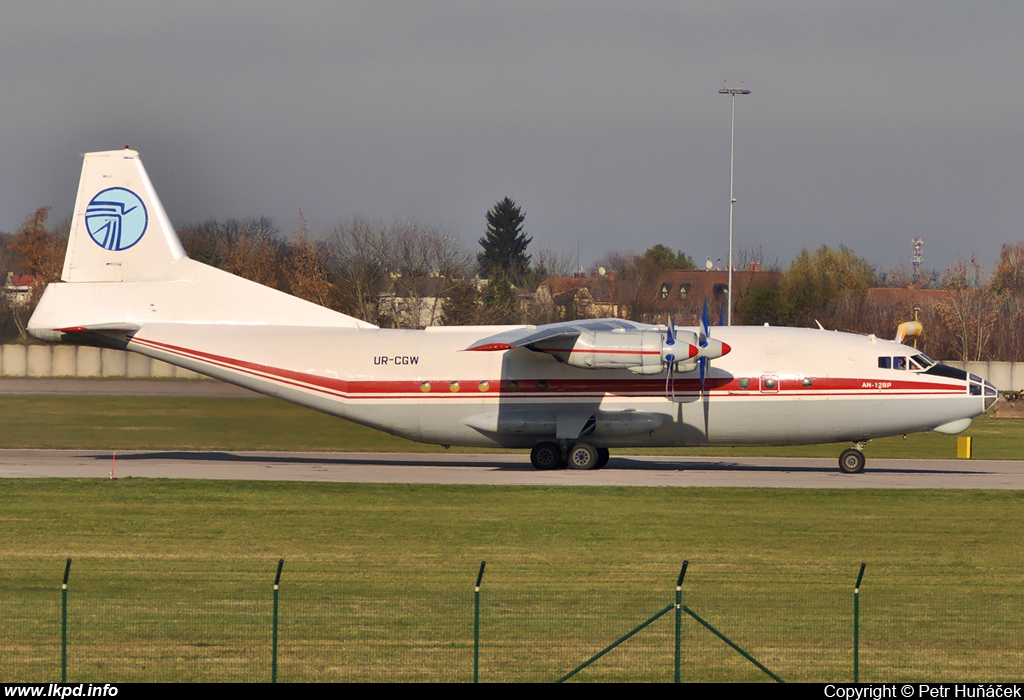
755,255
202,241
970,311
250,248
1009,273
426,266
632,278
308,267
1007,341
254,250
9,321
41,254
358,254
41,250
548,262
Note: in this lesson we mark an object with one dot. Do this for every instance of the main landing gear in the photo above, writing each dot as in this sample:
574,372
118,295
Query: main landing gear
580,455
851,461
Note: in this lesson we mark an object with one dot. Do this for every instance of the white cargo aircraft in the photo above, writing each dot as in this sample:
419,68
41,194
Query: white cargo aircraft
567,391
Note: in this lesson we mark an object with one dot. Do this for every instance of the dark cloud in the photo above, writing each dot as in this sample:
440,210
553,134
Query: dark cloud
870,122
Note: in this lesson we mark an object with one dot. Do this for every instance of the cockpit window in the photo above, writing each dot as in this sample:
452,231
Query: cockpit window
947,371
922,360
917,363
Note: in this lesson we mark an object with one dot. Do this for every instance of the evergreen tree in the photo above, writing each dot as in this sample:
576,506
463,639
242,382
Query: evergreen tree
499,299
504,245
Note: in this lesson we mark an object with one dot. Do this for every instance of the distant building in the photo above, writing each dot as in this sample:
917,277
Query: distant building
18,288
680,293
568,298
910,297
416,302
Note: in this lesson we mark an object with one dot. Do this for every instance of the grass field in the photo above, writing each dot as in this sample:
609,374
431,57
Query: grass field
130,423
171,579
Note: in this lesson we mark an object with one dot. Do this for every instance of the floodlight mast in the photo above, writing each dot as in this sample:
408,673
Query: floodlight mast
733,92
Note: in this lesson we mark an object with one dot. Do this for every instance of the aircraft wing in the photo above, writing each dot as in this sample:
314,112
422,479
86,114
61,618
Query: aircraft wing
527,336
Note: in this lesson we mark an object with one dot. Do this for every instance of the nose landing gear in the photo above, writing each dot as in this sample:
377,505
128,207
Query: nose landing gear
851,461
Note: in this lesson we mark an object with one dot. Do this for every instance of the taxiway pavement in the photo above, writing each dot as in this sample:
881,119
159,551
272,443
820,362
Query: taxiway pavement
509,469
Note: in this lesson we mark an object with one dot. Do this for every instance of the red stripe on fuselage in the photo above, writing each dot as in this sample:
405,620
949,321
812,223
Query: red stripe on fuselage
565,388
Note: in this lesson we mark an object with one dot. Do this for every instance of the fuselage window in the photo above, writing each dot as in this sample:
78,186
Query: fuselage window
885,363
899,362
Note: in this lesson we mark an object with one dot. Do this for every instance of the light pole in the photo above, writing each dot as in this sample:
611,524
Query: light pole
732,199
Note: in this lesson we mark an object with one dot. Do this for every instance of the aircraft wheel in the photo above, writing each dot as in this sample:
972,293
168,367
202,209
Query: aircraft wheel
851,461
546,455
583,455
602,457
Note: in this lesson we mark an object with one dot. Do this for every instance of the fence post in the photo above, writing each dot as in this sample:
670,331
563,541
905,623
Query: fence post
856,625
476,624
64,624
273,650
679,616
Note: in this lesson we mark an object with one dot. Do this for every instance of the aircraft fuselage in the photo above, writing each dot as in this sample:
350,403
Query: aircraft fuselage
778,386
569,391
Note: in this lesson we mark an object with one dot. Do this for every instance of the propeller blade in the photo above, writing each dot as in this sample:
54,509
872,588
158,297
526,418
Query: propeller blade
668,358
709,349
704,326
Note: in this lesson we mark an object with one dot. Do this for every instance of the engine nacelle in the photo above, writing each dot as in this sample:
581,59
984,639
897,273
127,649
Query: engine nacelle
641,352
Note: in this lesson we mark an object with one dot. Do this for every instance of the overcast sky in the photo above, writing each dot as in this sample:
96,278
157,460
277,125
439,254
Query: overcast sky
869,123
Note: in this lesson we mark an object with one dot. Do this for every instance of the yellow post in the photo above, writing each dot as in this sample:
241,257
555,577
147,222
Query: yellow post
963,447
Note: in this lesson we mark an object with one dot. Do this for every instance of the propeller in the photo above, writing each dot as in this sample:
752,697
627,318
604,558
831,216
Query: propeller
707,347
699,348
702,343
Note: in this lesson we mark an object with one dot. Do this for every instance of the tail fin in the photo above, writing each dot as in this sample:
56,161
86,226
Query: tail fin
119,231
126,269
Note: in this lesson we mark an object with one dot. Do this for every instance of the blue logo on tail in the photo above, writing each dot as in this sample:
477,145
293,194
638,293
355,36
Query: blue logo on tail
116,218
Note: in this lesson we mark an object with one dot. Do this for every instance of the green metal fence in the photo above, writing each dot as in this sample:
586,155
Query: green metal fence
129,620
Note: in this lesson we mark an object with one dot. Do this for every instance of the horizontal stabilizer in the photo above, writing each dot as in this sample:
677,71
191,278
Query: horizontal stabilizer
100,327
